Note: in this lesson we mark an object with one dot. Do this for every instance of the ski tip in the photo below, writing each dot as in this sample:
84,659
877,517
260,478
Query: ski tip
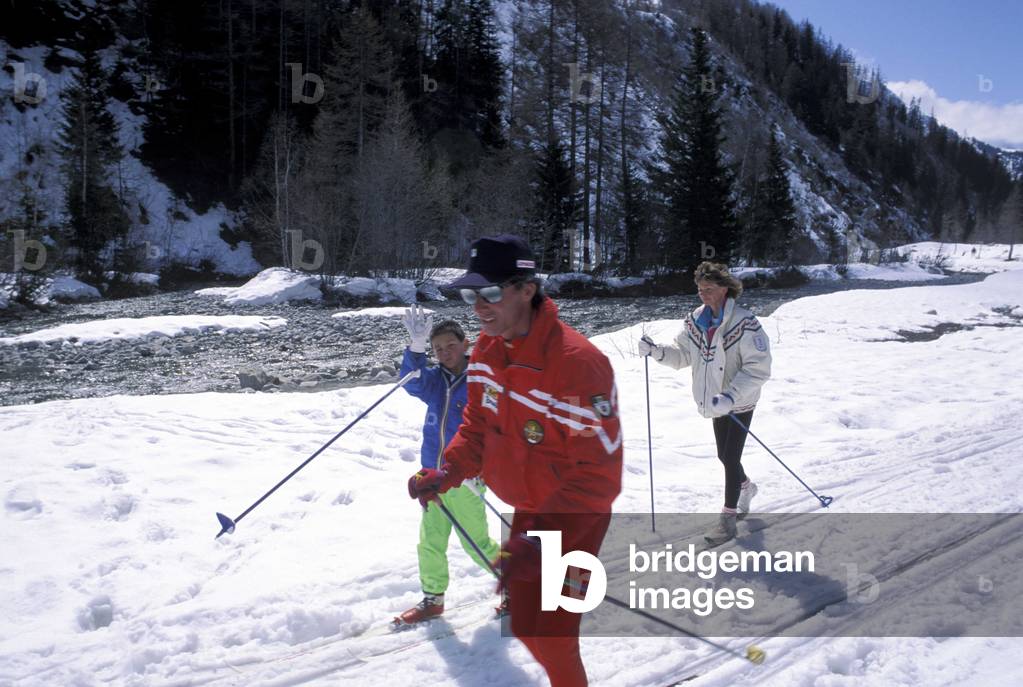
399,625
226,525
756,655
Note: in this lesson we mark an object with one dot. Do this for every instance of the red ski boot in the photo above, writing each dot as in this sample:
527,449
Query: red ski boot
432,606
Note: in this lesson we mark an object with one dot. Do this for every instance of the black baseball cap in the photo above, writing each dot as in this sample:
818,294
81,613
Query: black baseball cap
495,260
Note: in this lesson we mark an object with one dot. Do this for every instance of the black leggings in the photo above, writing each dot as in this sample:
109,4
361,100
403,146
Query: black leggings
731,438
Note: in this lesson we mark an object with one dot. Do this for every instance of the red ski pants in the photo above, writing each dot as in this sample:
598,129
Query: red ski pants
553,636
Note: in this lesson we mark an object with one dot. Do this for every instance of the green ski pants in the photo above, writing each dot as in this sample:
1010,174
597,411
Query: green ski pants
435,530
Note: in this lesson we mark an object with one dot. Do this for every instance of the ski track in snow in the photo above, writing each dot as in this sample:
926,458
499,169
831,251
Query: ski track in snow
116,579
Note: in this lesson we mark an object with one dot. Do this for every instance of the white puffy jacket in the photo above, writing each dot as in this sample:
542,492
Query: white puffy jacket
737,362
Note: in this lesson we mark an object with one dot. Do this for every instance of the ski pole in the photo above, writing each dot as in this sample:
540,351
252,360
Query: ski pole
754,654
465,535
649,441
228,525
488,504
825,500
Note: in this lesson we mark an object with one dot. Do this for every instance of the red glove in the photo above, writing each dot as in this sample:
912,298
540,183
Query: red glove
425,485
519,561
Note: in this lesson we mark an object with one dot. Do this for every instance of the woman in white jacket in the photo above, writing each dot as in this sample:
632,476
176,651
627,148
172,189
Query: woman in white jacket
730,357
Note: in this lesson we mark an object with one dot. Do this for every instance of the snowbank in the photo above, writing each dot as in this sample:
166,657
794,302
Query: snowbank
905,272
272,285
70,289
555,283
216,291
384,289
375,312
144,327
63,288
279,285
137,278
963,257
445,275
625,282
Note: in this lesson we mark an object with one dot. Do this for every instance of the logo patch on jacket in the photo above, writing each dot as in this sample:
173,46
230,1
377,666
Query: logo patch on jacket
601,405
490,398
533,431
760,342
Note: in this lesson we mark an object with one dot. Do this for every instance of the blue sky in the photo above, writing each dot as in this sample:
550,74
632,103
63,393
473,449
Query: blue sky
963,59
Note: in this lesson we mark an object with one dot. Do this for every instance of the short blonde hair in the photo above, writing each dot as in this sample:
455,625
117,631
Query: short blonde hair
717,273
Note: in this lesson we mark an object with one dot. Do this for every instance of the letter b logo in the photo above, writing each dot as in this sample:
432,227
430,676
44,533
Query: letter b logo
298,248
553,568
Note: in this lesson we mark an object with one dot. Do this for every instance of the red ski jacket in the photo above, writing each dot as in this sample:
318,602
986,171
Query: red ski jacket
541,423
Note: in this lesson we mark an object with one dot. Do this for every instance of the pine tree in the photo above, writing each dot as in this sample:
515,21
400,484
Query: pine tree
775,221
399,202
486,73
556,209
468,70
633,207
695,184
272,209
357,85
1015,232
189,58
89,149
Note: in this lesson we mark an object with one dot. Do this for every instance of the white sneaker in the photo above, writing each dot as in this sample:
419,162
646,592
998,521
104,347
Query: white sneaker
723,531
746,495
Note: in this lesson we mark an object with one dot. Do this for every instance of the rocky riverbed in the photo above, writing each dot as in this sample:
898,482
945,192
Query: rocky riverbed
314,351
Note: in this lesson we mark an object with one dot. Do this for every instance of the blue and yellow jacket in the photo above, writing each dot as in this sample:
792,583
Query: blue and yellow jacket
445,396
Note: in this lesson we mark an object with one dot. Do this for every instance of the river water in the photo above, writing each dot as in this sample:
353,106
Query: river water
314,352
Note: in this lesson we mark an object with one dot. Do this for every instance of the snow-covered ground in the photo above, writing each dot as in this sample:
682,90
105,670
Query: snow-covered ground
963,257
145,327
923,262
902,272
168,230
112,574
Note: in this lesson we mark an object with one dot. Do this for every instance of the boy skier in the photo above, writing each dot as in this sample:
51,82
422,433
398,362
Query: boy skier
443,389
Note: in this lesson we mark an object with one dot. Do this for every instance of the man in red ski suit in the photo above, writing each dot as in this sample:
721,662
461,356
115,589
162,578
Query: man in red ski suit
541,427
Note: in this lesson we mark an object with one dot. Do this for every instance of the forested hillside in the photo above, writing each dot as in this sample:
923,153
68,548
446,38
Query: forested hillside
359,137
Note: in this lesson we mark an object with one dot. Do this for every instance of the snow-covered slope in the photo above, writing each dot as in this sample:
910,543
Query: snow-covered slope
963,257
166,231
112,574
1013,160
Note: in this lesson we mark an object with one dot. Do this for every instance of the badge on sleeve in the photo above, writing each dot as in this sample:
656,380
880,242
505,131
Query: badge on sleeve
490,398
601,405
533,431
760,342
